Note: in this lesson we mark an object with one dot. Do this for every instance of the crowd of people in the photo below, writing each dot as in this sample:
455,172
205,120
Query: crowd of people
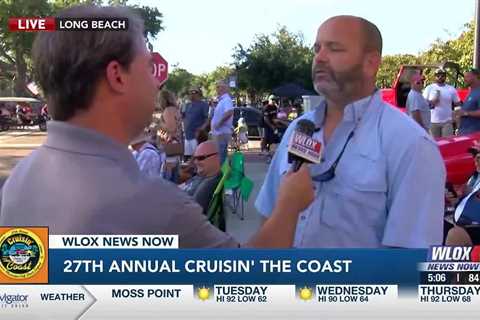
438,108
369,190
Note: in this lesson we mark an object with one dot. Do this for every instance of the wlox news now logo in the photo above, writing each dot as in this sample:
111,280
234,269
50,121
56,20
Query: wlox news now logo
454,254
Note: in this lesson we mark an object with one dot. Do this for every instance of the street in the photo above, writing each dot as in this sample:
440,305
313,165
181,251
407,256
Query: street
14,145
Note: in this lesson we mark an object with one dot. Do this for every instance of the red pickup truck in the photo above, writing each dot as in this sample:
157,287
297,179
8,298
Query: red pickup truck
459,163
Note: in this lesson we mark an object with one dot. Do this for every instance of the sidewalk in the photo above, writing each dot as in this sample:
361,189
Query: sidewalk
243,230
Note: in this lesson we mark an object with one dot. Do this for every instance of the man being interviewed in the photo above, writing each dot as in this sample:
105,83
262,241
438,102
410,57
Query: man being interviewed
386,188
83,179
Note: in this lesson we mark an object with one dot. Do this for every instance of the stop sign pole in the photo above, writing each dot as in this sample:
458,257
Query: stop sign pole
160,67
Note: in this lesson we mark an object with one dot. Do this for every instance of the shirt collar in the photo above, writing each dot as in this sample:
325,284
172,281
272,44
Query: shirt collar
65,136
353,112
225,95
146,145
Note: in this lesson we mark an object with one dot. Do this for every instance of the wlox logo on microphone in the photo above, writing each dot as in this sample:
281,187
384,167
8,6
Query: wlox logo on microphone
305,147
454,254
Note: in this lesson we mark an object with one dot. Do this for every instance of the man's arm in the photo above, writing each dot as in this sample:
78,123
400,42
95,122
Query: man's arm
279,230
415,200
226,115
417,116
464,113
268,194
455,98
206,116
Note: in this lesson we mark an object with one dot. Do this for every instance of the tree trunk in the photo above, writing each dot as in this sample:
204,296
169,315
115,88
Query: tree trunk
20,74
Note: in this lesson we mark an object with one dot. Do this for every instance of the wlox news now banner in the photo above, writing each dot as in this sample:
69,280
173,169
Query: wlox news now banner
46,276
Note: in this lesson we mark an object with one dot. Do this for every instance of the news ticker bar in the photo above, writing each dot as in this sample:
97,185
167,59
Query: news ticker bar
35,24
247,266
243,301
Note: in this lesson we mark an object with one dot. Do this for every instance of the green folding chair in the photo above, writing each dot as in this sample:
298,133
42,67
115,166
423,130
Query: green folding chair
236,181
216,212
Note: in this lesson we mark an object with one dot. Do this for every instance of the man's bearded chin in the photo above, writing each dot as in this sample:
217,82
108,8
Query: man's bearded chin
342,86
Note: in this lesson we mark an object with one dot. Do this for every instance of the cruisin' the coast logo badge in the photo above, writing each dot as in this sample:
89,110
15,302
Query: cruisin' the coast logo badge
24,255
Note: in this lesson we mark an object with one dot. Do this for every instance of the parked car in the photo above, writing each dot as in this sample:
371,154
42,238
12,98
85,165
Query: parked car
253,118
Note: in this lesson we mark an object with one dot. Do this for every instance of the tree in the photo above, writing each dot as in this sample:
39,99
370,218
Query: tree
15,47
179,80
208,81
273,60
458,50
390,66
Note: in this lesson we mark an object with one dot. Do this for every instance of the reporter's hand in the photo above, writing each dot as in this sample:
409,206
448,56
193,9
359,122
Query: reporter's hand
296,191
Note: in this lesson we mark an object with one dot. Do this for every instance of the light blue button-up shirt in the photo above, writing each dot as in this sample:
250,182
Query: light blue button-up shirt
388,188
224,105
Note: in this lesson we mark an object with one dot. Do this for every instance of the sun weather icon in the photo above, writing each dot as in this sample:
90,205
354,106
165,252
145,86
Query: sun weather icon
305,294
203,293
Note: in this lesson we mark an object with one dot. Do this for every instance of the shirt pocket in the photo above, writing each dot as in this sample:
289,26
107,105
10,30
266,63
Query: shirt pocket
357,196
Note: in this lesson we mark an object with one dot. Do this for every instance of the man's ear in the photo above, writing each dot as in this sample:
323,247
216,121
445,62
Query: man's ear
372,62
116,76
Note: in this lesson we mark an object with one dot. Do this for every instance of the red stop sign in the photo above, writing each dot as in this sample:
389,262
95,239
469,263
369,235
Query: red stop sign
160,67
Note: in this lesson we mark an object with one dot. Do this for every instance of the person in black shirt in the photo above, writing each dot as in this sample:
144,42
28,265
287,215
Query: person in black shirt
271,131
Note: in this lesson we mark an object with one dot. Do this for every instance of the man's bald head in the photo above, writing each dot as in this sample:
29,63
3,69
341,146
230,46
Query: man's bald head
207,147
348,53
372,37
206,159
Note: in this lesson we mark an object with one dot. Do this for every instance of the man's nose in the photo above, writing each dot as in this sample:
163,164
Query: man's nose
320,56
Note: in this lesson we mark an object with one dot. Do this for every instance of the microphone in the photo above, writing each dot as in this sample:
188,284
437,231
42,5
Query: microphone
302,147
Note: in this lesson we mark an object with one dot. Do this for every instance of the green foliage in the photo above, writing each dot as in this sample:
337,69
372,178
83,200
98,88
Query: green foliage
272,60
179,80
459,50
15,47
390,67
207,81
152,18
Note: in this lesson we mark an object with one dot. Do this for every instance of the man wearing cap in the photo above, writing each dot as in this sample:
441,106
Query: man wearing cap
149,159
222,120
442,97
195,118
470,112
417,106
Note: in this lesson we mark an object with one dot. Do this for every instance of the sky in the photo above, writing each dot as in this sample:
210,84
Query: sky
200,35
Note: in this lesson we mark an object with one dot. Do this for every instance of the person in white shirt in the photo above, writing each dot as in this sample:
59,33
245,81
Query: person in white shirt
222,120
441,96
417,105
